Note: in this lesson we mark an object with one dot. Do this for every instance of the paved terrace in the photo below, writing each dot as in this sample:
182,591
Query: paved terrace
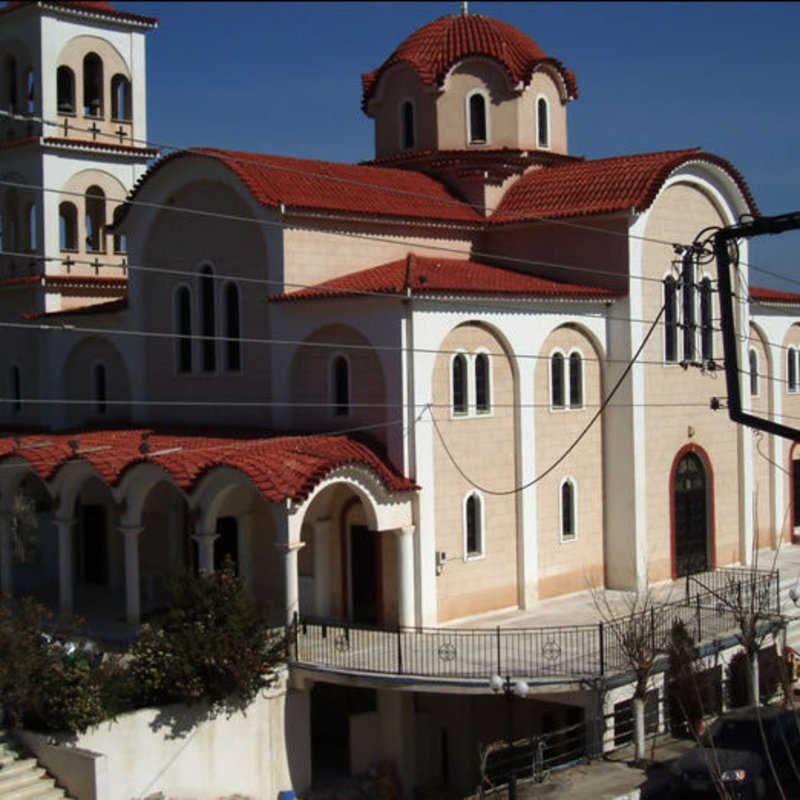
559,640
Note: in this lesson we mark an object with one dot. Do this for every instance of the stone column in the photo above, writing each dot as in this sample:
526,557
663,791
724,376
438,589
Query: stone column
133,592
290,550
405,576
323,531
6,568
66,588
205,550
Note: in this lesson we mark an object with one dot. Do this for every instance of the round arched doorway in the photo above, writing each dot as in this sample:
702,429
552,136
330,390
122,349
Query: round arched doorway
691,515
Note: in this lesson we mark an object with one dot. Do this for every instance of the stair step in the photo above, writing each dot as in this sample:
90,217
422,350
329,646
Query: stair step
19,765
50,794
32,790
21,778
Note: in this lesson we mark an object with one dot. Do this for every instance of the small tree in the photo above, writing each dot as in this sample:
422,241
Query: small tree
689,681
212,646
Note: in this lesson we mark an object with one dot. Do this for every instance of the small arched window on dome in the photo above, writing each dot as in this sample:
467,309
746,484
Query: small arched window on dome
340,380
100,389
92,85
16,388
407,138
183,326
65,90
233,346
476,111
542,123
208,325
120,98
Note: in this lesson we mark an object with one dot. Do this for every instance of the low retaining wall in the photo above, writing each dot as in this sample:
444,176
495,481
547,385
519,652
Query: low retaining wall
174,751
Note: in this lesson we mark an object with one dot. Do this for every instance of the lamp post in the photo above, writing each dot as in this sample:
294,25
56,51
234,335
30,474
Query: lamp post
510,689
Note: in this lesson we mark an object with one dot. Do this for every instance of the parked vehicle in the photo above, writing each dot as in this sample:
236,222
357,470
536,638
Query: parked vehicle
742,756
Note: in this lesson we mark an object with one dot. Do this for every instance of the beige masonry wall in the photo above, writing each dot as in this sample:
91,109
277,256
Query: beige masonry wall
764,523
678,414
575,564
484,448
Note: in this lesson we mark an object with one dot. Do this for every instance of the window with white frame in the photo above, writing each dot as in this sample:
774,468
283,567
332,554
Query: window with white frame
688,308
477,121
474,545
753,372
542,123
567,508
483,391
340,386
575,380
459,384
557,380
791,370
706,321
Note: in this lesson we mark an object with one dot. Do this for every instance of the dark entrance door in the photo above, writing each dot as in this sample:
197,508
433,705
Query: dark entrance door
691,516
93,546
363,574
227,545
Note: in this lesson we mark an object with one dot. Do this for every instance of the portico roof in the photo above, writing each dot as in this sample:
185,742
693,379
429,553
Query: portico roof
281,467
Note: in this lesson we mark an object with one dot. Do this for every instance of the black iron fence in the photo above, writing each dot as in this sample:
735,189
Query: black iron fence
759,590
556,652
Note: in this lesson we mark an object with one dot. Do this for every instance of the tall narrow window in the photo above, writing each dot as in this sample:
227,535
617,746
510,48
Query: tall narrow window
183,319
120,98
689,317
65,90
68,226
483,400
477,119
11,78
16,388
791,369
575,380
95,220
341,386
473,525
557,380
753,372
567,510
100,398
407,122
459,384
706,320
120,243
92,85
208,327
233,347
30,91
670,320
542,123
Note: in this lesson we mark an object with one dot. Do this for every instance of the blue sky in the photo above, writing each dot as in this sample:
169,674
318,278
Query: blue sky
286,78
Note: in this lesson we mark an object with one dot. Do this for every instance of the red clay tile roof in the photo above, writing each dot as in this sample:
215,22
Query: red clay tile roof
284,467
601,186
759,294
90,6
436,47
335,187
422,275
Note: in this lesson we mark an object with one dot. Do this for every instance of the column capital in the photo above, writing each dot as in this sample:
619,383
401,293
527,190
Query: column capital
65,521
130,530
288,547
206,536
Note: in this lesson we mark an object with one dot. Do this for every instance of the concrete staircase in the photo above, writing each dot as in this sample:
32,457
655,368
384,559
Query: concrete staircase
22,778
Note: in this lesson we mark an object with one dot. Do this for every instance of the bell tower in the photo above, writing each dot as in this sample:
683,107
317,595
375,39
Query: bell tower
73,93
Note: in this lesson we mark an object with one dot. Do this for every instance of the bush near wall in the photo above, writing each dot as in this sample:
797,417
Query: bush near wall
769,677
212,647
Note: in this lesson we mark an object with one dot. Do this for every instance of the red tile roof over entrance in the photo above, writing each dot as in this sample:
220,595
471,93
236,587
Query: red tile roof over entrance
436,47
601,186
422,275
283,467
761,295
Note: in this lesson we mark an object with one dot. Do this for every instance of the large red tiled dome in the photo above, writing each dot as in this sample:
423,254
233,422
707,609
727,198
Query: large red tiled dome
435,48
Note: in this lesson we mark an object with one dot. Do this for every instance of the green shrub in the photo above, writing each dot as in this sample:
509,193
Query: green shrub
212,645
769,677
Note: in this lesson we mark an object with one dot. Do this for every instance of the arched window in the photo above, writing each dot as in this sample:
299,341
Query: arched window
483,393
233,347
183,327
120,98
340,381
477,119
30,91
575,380
670,320
791,370
30,218
689,316
753,372
407,125
92,85
16,388
11,83
208,327
65,90
95,220
473,526
557,380
100,396
459,387
68,226
568,528
706,321
542,123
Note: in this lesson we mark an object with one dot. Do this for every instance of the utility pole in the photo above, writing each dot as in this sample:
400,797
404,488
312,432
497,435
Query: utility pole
722,251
